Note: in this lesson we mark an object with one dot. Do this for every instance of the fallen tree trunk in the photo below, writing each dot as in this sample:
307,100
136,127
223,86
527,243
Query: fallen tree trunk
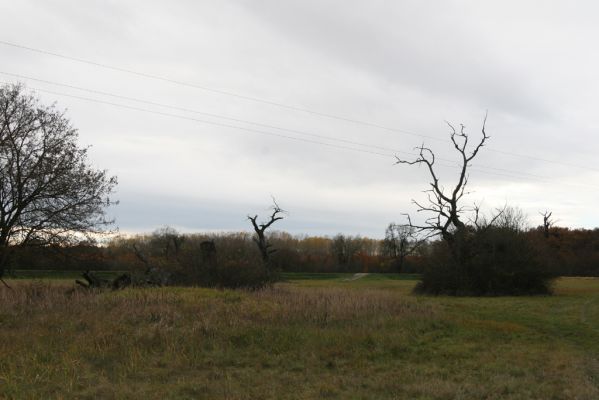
152,277
94,282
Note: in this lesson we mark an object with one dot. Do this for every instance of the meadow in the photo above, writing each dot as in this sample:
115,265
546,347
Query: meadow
311,336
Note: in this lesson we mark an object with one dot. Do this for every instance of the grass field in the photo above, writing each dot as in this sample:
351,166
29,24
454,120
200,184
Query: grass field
309,337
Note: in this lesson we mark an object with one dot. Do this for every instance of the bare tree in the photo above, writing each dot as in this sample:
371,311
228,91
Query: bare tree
260,228
547,222
168,241
49,192
344,248
505,217
512,218
400,241
444,205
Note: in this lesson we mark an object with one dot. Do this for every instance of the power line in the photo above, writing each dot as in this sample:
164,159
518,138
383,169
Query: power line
235,119
273,103
217,91
211,122
330,145
253,122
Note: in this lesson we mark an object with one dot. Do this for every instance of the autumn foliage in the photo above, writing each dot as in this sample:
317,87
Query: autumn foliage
568,252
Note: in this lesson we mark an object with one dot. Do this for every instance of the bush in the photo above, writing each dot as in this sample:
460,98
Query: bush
242,274
236,263
490,261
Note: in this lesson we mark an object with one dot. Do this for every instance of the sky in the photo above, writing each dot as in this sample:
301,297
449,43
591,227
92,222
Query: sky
310,101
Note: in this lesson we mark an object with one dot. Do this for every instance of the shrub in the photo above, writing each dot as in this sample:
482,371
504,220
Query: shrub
236,263
489,261
242,274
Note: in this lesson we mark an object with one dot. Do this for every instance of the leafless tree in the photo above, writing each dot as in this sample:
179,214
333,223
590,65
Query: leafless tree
168,241
547,222
512,218
260,228
505,217
344,248
400,241
160,254
446,217
49,192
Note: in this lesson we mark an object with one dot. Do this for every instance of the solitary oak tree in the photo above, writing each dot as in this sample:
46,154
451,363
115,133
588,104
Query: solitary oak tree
49,191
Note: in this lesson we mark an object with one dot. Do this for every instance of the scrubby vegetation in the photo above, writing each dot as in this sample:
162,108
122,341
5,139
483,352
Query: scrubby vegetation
305,339
566,252
499,257
492,260
234,262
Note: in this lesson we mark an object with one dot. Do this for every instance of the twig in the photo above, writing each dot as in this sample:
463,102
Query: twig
5,284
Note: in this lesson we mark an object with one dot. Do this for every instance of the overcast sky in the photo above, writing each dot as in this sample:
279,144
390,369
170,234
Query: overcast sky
408,66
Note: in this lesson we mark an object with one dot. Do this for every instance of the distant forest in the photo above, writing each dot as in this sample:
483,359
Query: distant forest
567,252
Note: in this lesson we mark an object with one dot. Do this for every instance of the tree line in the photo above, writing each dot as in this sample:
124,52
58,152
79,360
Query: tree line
569,252
167,247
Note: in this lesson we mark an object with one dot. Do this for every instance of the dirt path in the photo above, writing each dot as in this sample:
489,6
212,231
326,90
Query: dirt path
357,276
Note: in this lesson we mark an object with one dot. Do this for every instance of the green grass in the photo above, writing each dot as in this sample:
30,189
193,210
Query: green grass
320,276
307,338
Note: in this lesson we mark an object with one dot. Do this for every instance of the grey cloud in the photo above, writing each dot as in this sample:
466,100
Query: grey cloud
430,46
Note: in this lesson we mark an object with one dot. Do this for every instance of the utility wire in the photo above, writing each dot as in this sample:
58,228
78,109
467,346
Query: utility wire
211,122
396,151
218,91
272,103
330,145
235,119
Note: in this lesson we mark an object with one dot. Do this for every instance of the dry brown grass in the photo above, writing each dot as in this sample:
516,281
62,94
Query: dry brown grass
350,341
281,304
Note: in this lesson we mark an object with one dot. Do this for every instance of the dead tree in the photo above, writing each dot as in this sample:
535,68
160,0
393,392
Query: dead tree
260,228
547,222
92,281
152,275
444,205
